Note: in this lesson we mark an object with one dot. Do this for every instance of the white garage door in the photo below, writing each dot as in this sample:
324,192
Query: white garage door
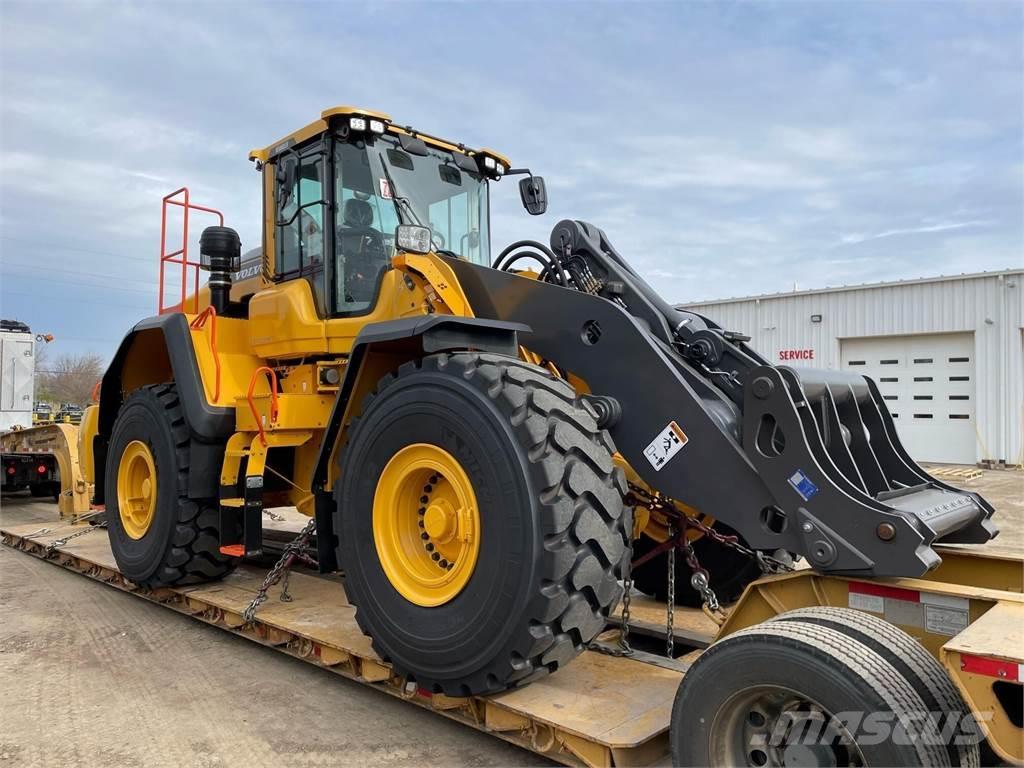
928,384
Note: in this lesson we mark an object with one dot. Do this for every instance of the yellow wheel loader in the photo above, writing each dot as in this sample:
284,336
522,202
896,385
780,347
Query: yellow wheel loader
490,444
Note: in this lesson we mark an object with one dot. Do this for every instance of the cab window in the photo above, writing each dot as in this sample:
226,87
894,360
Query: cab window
300,221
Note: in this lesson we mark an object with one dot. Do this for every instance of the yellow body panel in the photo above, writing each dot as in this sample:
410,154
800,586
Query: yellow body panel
283,322
86,432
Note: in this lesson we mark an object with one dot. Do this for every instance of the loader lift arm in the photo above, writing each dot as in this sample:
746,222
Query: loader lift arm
796,459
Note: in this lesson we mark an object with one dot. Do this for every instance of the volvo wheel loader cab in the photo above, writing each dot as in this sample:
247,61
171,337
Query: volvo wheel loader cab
479,439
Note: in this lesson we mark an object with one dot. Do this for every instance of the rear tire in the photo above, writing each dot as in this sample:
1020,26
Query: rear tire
181,543
920,668
723,713
730,570
553,527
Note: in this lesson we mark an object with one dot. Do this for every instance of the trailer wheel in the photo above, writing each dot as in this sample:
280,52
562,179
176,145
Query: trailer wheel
159,536
792,693
920,668
730,570
481,522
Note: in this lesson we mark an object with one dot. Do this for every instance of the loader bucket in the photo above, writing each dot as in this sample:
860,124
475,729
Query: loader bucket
843,428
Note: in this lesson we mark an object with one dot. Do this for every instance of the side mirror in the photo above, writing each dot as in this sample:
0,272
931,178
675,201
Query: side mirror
534,195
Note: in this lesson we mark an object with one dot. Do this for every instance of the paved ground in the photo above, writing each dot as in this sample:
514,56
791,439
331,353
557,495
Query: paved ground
91,676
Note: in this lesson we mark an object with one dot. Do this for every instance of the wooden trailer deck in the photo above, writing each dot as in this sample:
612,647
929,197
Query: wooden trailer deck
598,711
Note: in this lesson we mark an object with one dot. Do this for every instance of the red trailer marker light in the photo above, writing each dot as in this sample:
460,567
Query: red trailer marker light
41,469
11,470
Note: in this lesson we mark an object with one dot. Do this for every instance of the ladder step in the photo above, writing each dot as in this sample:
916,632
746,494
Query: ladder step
232,502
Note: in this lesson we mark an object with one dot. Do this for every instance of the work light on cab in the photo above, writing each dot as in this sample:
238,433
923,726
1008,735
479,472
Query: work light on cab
362,124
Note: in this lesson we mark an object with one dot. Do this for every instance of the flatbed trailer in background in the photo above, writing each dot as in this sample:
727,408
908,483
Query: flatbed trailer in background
56,448
604,710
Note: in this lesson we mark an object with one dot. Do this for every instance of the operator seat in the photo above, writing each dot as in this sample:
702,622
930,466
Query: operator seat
362,249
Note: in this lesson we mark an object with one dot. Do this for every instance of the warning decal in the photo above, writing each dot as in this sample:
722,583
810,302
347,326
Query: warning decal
385,189
666,445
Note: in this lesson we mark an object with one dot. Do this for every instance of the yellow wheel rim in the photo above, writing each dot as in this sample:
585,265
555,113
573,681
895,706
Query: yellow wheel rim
426,524
136,489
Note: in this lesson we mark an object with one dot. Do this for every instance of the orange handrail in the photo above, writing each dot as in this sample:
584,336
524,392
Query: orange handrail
180,198
197,325
95,397
273,399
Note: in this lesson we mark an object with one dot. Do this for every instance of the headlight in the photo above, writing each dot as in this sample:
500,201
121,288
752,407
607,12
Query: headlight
489,163
412,238
357,123
376,126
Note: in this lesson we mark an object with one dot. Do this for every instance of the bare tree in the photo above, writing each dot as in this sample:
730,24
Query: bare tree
71,378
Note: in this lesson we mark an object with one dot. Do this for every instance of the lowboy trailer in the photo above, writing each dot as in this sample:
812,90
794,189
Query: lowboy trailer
614,710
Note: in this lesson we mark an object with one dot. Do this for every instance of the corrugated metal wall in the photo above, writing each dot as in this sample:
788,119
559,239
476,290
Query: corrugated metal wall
989,305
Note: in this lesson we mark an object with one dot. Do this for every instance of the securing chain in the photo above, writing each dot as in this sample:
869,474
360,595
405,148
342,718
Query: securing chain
75,521
295,550
57,543
670,616
622,646
700,579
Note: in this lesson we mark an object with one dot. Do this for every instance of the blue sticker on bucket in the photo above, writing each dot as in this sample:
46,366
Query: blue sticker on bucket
802,484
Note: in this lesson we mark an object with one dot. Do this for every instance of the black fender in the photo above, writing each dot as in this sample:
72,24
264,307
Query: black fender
407,338
210,425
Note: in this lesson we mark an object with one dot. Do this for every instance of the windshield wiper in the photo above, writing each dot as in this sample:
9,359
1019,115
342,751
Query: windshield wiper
395,193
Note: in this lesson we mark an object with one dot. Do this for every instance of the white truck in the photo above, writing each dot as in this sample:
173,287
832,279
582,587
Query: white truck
17,374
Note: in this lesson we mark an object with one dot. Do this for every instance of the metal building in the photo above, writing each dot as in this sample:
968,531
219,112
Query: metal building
947,353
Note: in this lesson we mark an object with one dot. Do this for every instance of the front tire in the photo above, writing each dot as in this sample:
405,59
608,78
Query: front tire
159,536
552,527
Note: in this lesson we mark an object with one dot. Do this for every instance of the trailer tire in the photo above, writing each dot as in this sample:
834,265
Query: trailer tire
724,713
180,541
730,570
919,667
553,528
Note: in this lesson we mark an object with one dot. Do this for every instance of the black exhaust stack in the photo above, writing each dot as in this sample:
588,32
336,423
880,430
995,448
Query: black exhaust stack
220,254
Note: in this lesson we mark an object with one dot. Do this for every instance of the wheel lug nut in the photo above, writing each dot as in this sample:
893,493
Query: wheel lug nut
422,511
424,536
424,499
443,563
430,547
421,523
436,557
428,488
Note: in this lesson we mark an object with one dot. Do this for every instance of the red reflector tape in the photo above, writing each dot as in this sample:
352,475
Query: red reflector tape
881,590
977,665
233,550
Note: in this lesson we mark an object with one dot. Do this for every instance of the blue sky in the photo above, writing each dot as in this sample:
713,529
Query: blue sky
726,149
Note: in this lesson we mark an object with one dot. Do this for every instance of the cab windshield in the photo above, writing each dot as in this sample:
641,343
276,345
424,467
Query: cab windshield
430,191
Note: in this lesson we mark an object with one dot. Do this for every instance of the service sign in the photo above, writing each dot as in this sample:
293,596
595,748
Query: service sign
796,354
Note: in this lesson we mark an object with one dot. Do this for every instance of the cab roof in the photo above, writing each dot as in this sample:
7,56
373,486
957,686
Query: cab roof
319,126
